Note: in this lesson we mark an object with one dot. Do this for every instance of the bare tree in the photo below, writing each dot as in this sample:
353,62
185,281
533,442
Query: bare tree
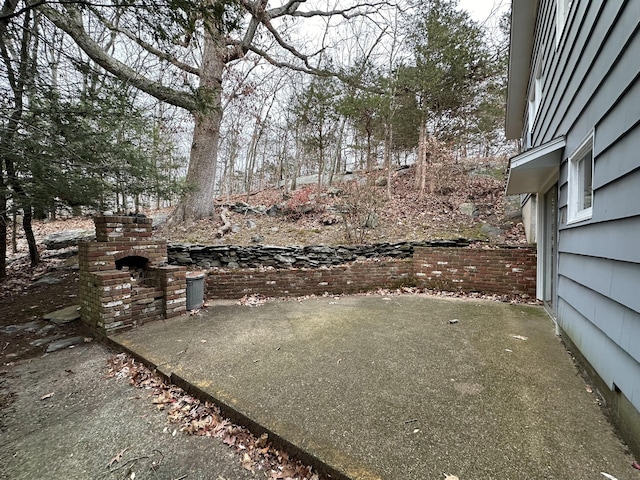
196,43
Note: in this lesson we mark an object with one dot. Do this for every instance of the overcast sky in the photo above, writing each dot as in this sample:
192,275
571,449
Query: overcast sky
481,9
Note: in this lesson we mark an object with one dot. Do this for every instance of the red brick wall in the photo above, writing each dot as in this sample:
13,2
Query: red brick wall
510,271
118,228
351,278
504,271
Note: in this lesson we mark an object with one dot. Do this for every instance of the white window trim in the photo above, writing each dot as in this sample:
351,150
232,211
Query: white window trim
562,17
573,199
535,96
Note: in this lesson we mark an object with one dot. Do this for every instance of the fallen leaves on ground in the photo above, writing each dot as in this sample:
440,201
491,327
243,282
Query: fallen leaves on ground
252,300
405,216
195,417
385,292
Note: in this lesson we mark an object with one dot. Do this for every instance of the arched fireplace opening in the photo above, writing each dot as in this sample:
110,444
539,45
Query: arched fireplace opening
136,265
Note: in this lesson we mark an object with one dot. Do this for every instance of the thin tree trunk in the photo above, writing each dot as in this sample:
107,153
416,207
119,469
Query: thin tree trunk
282,182
3,227
230,164
34,255
337,159
320,164
262,170
388,141
24,202
369,159
14,231
251,157
18,80
296,162
422,160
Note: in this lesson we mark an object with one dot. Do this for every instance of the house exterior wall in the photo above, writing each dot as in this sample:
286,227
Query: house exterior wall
591,84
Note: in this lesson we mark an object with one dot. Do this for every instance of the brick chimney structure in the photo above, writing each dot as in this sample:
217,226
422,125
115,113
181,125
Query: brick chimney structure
124,276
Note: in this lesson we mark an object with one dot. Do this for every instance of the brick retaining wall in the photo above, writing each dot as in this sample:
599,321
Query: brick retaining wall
508,271
352,278
504,271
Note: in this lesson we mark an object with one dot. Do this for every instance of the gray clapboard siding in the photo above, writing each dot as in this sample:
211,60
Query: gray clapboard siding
563,188
625,114
613,279
604,87
618,199
606,316
618,323
574,62
571,62
630,337
614,365
587,337
620,159
605,33
604,240
603,105
544,37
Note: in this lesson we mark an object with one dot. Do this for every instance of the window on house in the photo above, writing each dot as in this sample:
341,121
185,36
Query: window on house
535,96
562,13
581,182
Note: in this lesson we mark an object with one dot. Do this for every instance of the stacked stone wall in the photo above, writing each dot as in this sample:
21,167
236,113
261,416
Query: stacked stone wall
204,257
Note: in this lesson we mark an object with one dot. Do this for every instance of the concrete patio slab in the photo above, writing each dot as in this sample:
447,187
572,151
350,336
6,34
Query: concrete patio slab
382,387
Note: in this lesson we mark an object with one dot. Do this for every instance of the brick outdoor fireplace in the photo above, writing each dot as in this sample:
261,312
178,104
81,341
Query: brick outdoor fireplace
124,279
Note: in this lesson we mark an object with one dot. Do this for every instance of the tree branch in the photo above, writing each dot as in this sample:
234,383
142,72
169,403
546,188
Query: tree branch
4,16
279,63
240,48
71,24
286,9
286,46
8,8
291,9
148,47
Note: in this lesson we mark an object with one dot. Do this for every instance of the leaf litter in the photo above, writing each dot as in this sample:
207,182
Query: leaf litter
203,418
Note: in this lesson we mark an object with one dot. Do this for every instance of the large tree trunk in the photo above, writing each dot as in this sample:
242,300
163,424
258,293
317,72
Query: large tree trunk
201,176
